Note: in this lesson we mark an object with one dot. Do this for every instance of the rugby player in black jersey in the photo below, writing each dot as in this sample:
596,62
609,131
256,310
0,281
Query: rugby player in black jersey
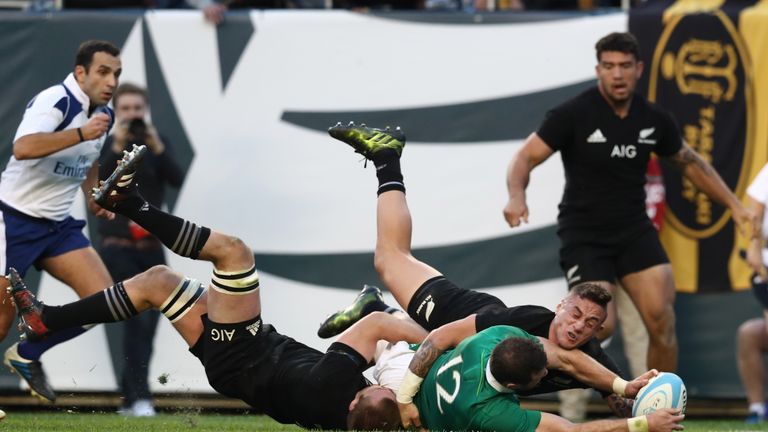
605,137
244,358
432,300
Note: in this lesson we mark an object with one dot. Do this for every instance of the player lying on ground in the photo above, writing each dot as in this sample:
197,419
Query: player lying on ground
465,389
243,357
432,300
176,296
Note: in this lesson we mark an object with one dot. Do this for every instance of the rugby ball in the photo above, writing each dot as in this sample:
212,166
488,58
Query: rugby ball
665,390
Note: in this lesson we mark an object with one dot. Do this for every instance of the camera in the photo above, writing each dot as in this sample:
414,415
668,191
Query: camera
138,129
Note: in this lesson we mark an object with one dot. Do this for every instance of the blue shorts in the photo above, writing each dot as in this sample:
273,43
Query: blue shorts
25,240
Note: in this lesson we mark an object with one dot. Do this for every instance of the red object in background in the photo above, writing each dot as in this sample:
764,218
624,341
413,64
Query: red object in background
137,232
654,193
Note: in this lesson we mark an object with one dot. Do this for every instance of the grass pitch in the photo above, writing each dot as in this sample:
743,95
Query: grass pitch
40,421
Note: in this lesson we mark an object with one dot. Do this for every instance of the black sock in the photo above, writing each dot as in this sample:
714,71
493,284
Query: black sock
110,305
181,236
388,172
378,306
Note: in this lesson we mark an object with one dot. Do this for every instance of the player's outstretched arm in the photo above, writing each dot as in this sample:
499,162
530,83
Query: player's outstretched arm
533,152
707,180
664,420
589,371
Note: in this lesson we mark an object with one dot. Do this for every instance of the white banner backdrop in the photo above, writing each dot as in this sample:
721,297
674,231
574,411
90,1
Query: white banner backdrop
288,189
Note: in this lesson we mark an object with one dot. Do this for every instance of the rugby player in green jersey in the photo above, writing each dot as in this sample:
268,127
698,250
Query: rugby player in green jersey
477,409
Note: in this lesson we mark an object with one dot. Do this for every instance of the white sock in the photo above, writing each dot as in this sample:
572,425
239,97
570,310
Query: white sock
757,407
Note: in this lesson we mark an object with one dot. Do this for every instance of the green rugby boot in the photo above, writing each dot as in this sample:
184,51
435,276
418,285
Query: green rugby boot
368,300
369,142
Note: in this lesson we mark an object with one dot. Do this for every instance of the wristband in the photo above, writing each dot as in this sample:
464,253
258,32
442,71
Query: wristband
409,387
80,134
638,424
620,386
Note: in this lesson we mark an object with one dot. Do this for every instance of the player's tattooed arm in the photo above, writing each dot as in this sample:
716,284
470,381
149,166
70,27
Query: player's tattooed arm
438,341
705,179
621,407
424,358
687,156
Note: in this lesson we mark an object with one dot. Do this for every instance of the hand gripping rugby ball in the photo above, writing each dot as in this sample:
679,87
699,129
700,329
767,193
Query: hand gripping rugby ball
666,390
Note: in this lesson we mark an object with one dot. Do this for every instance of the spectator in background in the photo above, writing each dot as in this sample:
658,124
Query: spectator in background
121,4
753,334
126,248
214,10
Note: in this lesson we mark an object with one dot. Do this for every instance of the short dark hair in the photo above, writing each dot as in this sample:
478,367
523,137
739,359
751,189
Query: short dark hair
128,88
370,414
621,42
593,292
88,48
514,360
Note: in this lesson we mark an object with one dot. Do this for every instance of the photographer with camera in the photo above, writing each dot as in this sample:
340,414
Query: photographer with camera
126,248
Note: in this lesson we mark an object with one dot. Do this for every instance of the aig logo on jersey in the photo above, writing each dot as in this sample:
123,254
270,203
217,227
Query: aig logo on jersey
220,335
624,151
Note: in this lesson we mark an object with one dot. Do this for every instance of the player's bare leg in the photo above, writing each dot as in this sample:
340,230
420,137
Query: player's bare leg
70,267
180,299
751,346
653,291
234,295
164,289
401,272
234,290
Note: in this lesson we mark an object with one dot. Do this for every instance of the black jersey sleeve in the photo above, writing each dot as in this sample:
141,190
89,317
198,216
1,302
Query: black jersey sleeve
558,128
671,141
339,372
331,384
533,319
594,350
347,356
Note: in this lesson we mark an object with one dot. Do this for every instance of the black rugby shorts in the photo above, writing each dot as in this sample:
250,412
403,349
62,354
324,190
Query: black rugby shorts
439,301
241,359
608,255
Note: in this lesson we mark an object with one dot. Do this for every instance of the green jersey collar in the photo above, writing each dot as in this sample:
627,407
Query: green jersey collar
492,380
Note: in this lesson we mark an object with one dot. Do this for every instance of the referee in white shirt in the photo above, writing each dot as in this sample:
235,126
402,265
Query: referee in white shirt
54,150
